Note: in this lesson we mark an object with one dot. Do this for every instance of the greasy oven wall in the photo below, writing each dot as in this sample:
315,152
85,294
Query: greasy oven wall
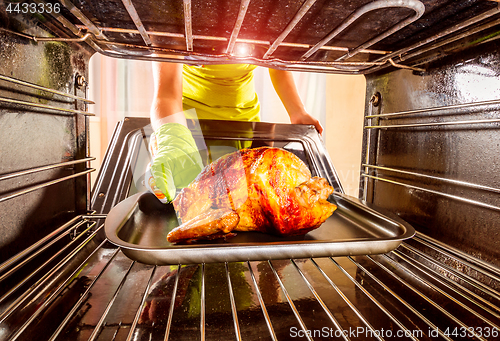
39,128
439,168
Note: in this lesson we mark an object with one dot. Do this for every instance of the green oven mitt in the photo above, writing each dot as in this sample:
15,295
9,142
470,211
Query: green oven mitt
176,160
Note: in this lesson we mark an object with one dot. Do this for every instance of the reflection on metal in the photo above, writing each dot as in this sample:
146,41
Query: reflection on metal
302,11
94,216
82,38
99,36
69,25
262,305
400,66
374,99
435,124
21,298
478,265
224,58
442,292
35,86
376,302
86,21
30,250
83,297
188,25
452,39
346,300
332,48
237,26
134,51
143,302
172,306
372,273
431,325
455,182
415,5
139,52
45,246
446,32
45,184
43,168
37,39
237,40
436,305
320,301
447,107
353,229
137,21
203,303
454,197
44,106
97,328
464,278
101,44
234,311
290,301
173,56
51,298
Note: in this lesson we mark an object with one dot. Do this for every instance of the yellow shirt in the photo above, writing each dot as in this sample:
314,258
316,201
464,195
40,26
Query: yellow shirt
221,92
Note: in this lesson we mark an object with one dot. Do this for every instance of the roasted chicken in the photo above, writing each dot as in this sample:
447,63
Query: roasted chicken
264,189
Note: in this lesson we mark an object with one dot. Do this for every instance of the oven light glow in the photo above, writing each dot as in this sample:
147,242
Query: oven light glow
3,332
242,50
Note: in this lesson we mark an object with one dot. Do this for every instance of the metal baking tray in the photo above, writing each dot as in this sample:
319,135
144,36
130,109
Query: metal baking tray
140,224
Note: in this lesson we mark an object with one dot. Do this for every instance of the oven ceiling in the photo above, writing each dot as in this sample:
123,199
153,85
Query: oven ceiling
354,36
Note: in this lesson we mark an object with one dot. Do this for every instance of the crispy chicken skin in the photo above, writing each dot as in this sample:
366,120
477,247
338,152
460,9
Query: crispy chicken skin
263,189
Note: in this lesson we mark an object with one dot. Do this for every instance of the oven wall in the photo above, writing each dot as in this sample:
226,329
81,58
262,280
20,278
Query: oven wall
33,137
463,215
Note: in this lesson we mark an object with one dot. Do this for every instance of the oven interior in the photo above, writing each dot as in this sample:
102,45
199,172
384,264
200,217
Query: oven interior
430,156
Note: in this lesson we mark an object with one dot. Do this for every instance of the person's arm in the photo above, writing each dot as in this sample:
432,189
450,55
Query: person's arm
167,97
175,157
287,91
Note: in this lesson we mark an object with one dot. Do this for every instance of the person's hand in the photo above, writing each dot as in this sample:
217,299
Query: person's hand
176,160
305,118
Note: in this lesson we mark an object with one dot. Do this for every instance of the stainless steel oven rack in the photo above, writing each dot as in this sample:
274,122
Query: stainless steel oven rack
39,266
84,29
101,294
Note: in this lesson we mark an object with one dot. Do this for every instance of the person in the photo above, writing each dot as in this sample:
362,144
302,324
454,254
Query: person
221,92
217,92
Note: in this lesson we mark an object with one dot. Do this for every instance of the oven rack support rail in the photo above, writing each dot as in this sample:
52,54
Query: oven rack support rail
95,37
44,90
370,170
78,167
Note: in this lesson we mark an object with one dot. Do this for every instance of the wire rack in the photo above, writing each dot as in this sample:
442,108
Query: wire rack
405,294
133,36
